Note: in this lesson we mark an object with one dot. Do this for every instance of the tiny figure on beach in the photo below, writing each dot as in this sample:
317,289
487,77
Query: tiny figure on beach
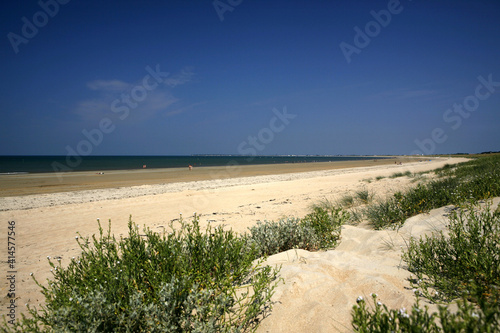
190,167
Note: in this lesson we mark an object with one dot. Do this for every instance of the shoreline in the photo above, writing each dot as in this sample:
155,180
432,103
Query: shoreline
213,178
22,184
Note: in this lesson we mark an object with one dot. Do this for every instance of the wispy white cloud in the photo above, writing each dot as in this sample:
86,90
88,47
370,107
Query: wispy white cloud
92,108
160,100
402,94
184,76
108,85
111,92
183,109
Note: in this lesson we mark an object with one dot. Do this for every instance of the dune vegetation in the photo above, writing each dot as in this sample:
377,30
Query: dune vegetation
460,265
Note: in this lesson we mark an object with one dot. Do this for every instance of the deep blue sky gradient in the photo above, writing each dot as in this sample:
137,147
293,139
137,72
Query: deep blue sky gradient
227,76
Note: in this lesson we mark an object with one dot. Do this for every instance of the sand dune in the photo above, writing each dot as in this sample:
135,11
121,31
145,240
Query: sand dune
320,287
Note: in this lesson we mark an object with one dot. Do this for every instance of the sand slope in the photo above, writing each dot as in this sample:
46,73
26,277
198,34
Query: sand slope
320,288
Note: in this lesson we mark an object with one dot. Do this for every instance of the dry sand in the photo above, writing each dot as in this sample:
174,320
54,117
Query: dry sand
320,287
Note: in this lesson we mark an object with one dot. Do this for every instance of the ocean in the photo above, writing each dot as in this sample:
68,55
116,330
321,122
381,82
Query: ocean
44,164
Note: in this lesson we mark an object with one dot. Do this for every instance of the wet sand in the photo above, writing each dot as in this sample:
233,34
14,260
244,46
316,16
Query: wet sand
40,183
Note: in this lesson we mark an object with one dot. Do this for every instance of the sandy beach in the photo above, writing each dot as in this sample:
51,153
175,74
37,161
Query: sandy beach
42,183
320,287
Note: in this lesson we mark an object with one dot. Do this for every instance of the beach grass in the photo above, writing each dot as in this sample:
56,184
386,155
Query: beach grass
461,265
364,196
347,201
465,183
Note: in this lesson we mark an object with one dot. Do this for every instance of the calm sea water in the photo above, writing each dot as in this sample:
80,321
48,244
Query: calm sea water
32,164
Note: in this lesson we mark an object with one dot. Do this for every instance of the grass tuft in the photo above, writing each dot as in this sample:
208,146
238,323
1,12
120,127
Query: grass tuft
466,183
364,196
347,201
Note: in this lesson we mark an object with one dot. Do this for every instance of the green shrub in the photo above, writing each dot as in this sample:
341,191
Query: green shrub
327,224
185,281
318,230
386,213
464,261
275,237
380,319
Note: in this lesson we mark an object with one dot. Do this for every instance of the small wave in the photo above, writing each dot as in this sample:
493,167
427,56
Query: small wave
12,173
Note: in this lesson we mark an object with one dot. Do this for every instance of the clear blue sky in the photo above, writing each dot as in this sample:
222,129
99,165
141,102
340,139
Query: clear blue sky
410,82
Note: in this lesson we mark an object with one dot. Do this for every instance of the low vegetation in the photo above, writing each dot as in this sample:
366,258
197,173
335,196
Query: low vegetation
347,201
401,174
318,230
360,197
378,318
465,183
462,264
185,281
459,265
188,280
364,196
